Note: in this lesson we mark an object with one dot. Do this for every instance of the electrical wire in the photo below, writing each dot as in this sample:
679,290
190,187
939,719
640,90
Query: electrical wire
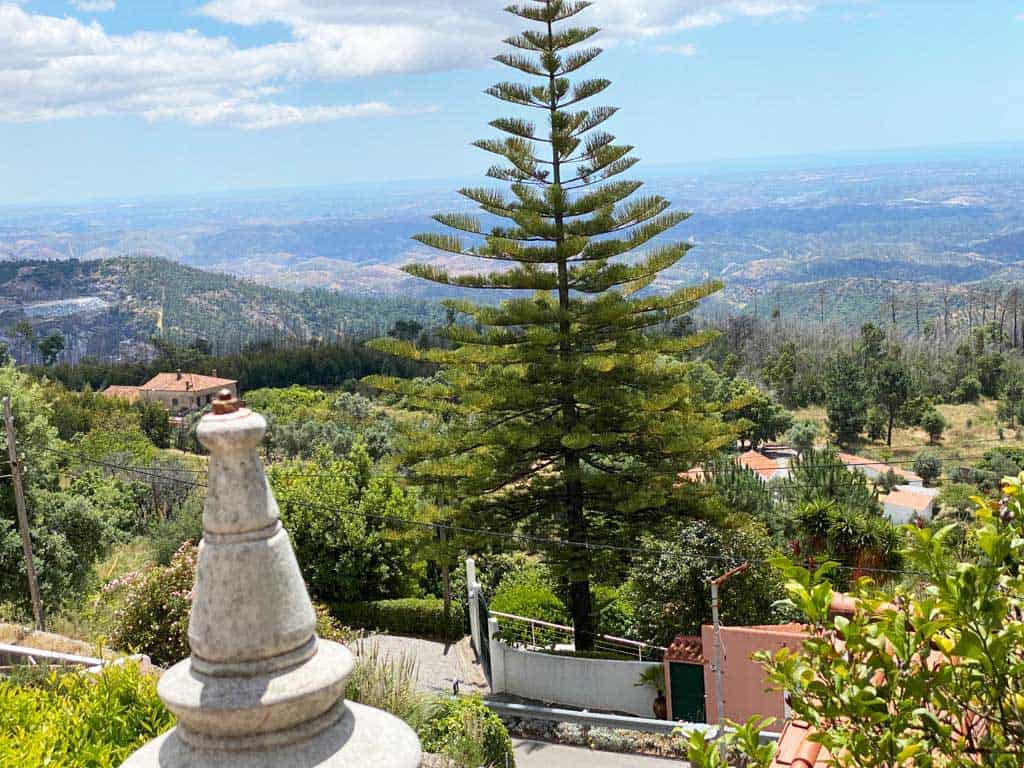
484,532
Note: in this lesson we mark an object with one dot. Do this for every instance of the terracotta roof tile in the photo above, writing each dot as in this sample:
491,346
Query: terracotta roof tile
131,394
188,382
759,463
909,499
860,463
796,750
686,648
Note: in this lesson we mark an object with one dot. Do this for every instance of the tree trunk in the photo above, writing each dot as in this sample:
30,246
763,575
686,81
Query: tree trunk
579,570
892,418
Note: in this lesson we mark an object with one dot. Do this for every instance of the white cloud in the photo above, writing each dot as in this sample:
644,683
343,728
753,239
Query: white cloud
63,67
95,6
685,49
53,68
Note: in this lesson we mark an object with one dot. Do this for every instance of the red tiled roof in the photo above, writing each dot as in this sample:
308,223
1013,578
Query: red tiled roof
860,463
186,382
759,463
131,394
909,499
686,648
796,750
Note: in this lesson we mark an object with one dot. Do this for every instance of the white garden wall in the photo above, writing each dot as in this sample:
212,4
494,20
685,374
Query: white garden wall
594,684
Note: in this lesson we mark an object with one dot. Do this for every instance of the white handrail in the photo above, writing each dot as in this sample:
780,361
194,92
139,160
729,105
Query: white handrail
639,645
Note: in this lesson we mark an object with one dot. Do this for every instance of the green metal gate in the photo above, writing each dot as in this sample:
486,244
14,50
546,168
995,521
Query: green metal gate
484,652
687,685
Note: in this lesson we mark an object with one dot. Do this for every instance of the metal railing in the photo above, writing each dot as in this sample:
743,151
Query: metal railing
545,635
13,656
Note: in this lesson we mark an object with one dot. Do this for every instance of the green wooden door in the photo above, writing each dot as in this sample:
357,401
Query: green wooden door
687,681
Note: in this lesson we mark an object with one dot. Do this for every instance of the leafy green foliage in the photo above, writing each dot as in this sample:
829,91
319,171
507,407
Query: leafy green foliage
51,347
928,464
184,526
892,389
930,677
466,731
560,411
743,741
79,720
802,436
532,598
934,423
668,587
418,616
764,419
845,398
340,516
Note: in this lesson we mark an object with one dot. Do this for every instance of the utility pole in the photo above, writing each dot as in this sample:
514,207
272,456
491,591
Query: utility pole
716,620
19,503
446,581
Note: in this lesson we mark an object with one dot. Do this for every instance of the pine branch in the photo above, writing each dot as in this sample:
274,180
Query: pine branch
516,93
520,62
521,128
578,60
585,90
551,12
587,120
525,278
462,221
597,277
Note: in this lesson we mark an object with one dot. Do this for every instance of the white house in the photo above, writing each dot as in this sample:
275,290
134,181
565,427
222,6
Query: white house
907,502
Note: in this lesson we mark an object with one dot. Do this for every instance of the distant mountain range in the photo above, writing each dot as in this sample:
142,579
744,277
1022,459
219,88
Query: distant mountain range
852,231
113,308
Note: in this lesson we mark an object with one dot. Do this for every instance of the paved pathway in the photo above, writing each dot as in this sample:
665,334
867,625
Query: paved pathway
440,665
540,754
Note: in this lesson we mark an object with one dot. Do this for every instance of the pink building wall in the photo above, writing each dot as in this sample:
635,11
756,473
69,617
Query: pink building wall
743,679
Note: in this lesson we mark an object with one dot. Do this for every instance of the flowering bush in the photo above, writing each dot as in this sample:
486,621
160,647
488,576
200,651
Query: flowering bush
154,608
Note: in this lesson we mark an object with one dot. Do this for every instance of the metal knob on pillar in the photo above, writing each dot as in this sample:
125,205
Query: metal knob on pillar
260,689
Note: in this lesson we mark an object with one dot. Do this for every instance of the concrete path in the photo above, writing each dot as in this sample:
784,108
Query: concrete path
439,665
540,754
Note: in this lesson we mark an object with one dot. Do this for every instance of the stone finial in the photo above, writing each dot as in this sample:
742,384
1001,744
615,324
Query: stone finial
260,689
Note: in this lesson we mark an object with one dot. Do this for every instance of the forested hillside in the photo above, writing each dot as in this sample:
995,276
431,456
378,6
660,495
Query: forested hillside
112,308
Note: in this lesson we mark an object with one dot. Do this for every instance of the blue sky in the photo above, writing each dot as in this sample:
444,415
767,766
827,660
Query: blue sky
120,98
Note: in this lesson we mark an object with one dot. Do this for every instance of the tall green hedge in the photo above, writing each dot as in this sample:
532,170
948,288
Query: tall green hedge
408,616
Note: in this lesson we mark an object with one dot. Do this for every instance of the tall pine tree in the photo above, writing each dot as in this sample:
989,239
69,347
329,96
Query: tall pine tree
564,414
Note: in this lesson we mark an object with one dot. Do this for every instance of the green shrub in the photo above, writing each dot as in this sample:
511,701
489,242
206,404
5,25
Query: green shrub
329,628
77,720
467,732
423,617
184,527
928,464
333,509
877,422
934,423
531,597
968,391
668,583
154,610
615,614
